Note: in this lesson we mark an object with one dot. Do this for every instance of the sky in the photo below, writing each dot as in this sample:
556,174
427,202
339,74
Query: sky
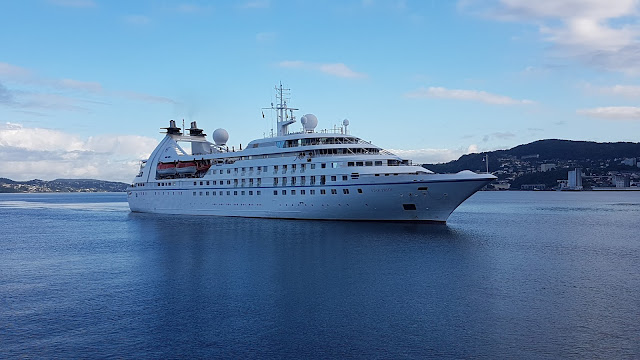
86,85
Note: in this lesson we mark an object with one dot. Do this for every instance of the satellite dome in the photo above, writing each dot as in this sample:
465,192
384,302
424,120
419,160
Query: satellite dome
345,122
309,122
220,136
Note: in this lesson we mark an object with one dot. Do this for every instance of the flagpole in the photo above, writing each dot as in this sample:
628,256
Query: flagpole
487,160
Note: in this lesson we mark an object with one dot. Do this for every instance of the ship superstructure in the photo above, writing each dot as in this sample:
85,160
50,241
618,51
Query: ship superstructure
328,175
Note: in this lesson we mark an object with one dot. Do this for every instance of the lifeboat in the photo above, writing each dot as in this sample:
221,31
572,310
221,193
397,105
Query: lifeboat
166,169
186,167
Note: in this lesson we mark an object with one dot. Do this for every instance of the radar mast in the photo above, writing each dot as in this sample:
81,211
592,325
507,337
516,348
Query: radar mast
284,119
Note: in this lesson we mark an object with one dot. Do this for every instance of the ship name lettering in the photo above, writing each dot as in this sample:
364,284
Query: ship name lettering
381,190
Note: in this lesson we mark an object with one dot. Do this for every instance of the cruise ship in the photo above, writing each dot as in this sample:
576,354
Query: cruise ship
305,174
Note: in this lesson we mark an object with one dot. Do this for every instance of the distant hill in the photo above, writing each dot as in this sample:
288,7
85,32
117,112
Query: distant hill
576,150
60,185
543,150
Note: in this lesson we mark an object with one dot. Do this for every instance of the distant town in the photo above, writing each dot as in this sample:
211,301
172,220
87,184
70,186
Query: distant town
556,165
594,175
60,185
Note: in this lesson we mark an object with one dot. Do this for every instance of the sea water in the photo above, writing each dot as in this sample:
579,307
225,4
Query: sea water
512,275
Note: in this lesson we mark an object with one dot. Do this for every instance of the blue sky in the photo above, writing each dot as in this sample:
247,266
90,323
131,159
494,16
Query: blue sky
85,85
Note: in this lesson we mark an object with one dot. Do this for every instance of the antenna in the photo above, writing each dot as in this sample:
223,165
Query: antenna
281,108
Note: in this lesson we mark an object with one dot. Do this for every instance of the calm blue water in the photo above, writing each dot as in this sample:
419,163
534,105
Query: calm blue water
513,275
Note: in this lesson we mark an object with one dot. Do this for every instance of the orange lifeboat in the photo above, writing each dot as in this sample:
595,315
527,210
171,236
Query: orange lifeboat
186,167
166,169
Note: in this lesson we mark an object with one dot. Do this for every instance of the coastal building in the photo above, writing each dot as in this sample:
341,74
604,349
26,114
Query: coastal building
622,181
502,185
533,187
630,162
574,181
547,167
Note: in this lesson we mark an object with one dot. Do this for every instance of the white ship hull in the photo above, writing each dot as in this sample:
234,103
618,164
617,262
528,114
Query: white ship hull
379,202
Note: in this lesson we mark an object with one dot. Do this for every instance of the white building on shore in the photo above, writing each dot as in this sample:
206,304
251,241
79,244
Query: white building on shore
622,181
574,181
547,167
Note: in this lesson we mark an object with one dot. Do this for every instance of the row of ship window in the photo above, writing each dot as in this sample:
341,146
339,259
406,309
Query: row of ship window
317,141
302,167
258,181
276,181
284,168
275,192
308,153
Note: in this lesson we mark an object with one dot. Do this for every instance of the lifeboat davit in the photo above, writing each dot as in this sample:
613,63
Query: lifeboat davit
202,166
166,169
186,167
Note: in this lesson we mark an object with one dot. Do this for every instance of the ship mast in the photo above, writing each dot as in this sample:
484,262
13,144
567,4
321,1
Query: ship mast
284,119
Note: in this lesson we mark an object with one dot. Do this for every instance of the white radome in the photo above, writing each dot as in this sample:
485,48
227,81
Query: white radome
220,136
310,121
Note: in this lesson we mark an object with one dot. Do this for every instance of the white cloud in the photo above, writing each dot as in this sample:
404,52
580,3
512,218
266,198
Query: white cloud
534,72
17,74
472,149
265,37
629,91
74,3
30,100
499,135
6,96
32,91
16,136
257,4
89,86
12,71
48,101
136,19
340,70
193,9
145,97
474,95
29,153
434,156
599,33
541,9
292,64
613,112
335,69
399,6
